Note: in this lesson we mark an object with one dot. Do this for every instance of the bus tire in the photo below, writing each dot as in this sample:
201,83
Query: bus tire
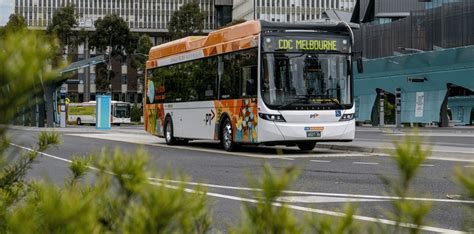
306,146
169,137
78,121
227,137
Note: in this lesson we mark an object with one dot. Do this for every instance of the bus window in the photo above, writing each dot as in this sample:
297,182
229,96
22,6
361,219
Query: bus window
249,81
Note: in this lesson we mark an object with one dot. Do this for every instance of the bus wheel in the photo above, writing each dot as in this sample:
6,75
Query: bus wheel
227,139
78,121
306,146
170,140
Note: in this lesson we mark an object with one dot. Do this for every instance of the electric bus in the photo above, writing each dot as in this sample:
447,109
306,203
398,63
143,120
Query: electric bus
257,82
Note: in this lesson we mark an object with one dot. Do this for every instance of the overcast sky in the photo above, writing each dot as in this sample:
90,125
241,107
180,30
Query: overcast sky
6,8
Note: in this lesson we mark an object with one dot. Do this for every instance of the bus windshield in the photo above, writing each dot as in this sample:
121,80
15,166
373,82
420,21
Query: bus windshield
122,110
305,80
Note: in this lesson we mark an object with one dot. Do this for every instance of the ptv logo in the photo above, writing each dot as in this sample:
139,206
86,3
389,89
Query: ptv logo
313,116
209,117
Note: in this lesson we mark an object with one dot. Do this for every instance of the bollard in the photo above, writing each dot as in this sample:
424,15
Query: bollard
382,113
398,104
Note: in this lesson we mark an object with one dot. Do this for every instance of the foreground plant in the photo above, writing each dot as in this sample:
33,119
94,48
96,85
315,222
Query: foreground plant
466,179
265,216
408,156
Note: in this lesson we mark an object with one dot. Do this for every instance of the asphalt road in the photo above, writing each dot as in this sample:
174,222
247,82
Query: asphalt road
328,178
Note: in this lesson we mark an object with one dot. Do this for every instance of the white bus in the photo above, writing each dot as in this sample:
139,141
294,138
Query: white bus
85,113
254,83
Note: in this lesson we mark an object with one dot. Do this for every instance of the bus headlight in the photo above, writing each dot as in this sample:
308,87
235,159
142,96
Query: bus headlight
271,117
347,117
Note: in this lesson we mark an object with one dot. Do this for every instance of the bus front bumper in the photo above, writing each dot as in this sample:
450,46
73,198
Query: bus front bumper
283,131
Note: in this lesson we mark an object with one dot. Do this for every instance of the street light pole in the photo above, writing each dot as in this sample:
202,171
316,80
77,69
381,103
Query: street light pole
109,83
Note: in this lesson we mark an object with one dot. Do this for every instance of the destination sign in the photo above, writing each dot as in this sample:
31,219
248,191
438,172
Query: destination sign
296,44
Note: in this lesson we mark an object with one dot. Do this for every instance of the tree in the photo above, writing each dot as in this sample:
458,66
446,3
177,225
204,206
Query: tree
187,21
62,26
15,23
112,32
144,46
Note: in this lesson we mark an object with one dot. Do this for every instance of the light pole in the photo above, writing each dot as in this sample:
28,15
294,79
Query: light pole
109,83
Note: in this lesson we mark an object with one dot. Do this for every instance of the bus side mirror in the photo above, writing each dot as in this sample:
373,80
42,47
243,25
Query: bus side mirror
360,64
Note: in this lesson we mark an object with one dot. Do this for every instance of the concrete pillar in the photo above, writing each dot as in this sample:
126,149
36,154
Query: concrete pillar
443,115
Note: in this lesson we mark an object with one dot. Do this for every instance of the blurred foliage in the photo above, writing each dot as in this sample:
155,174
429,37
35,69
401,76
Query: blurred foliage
24,66
408,155
328,224
136,113
264,216
466,179
187,21
16,22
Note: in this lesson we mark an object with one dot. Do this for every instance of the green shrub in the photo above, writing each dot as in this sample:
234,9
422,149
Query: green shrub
136,113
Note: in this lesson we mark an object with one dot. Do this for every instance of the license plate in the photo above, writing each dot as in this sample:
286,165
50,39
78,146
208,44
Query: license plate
313,134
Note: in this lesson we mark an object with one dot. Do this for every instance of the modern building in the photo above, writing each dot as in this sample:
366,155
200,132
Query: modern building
421,50
384,11
287,10
143,16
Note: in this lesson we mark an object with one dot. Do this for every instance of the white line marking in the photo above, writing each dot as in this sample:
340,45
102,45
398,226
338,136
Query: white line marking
320,161
319,211
426,165
300,208
319,194
153,141
469,166
366,163
286,191
291,159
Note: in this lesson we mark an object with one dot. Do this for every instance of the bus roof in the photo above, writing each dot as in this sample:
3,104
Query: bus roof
233,38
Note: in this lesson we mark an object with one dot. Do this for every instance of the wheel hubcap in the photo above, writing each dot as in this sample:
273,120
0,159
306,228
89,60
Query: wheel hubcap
168,132
227,135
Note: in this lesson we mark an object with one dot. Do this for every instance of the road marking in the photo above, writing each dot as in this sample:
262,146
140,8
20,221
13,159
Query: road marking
318,211
322,199
469,166
366,163
320,161
294,207
291,159
426,165
319,193
152,141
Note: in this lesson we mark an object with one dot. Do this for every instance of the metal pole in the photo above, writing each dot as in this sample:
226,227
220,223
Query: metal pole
254,11
398,104
381,112
87,92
